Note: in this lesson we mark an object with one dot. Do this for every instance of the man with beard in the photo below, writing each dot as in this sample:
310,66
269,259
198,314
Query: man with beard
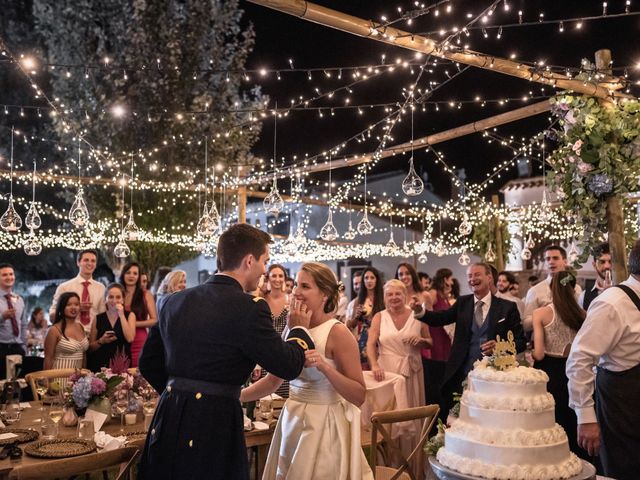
602,264
504,283
555,259
479,318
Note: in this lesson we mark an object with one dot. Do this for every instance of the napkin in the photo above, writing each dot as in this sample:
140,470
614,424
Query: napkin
260,426
247,424
107,442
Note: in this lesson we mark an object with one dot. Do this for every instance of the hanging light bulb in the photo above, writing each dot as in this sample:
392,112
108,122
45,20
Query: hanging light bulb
464,259
273,202
573,253
204,226
530,243
465,227
391,244
32,220
440,251
329,233
364,225
214,216
350,234
412,185
122,250
32,245
10,220
131,230
490,256
525,254
422,258
79,214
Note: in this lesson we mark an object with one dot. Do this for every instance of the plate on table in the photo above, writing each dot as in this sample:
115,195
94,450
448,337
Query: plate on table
22,435
60,448
443,473
135,436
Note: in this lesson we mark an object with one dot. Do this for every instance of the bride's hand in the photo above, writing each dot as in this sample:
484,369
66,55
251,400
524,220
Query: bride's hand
313,359
299,314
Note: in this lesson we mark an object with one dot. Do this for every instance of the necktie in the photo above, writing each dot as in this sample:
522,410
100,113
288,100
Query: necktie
85,317
14,321
477,313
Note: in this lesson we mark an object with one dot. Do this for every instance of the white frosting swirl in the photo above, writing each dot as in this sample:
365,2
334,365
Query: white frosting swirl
519,374
534,403
515,437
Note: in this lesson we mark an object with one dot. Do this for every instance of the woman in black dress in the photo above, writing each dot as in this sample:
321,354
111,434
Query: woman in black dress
112,332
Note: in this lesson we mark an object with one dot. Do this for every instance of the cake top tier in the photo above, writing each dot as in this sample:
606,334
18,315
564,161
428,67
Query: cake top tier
522,375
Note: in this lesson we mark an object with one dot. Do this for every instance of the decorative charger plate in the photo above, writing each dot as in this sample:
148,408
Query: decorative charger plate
443,473
135,436
23,435
60,448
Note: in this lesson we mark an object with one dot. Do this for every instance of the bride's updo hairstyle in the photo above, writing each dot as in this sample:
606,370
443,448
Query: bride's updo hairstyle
326,282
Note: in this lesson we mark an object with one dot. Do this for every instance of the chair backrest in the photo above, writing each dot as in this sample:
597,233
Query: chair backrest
50,375
382,422
93,462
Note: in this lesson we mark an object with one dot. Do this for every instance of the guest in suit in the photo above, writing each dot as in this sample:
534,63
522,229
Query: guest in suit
479,317
207,341
602,265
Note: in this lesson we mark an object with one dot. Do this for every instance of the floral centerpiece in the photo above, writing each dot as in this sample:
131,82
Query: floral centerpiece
598,156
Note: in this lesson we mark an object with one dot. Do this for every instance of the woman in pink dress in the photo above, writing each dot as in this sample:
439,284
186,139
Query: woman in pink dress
140,302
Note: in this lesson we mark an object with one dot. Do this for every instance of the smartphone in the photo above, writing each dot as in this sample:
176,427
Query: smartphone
111,333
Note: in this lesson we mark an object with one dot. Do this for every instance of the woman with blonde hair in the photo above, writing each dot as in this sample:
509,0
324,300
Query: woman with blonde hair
318,432
175,281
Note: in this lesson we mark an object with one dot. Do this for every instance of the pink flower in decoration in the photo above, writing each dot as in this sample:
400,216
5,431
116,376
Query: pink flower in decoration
584,167
577,146
572,159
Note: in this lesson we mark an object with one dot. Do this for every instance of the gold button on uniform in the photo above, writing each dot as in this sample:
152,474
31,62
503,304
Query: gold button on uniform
169,388
190,443
153,431
198,396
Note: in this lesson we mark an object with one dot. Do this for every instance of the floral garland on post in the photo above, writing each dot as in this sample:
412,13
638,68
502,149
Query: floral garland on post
598,156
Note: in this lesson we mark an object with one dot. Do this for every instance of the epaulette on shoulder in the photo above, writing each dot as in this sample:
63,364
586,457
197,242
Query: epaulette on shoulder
257,299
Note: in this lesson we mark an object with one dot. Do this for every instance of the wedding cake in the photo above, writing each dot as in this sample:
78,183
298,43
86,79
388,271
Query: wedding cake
506,428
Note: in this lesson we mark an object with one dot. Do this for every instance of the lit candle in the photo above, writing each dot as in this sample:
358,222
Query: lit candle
130,418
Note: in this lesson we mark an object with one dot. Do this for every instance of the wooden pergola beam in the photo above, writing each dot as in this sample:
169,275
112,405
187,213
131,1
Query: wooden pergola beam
392,36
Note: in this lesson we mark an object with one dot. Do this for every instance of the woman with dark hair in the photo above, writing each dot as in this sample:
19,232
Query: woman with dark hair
455,291
273,290
37,329
141,303
318,432
435,359
370,301
66,341
554,328
416,295
112,332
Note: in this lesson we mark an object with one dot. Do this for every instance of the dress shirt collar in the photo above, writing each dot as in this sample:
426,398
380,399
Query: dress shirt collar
5,292
81,279
486,300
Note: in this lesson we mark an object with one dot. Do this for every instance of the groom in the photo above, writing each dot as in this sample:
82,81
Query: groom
204,347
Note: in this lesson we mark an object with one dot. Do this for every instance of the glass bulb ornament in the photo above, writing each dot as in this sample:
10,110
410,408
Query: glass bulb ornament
422,258
79,214
205,224
32,220
214,216
464,259
131,231
273,202
573,254
10,220
364,226
350,234
329,233
391,244
440,251
465,228
530,243
546,215
525,254
122,250
490,256
412,184
32,245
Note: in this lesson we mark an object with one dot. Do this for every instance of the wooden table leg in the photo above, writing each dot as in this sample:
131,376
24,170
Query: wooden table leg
261,459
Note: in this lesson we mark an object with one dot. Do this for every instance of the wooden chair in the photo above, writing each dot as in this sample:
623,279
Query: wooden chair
382,422
50,375
67,467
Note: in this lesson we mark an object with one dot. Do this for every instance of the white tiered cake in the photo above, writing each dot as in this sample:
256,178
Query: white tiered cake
506,428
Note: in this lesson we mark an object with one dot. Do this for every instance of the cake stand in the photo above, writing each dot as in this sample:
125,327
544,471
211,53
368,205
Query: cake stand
443,473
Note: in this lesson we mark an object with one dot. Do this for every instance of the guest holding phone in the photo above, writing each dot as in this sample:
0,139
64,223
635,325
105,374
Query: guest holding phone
113,331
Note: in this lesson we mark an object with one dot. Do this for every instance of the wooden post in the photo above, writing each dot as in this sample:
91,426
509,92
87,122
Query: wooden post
615,215
497,233
242,198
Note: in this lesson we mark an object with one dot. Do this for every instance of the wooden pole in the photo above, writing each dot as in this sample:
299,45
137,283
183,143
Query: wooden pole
399,38
497,234
615,214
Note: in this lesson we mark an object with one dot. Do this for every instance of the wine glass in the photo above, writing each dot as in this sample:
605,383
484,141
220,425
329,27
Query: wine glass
148,407
122,404
55,410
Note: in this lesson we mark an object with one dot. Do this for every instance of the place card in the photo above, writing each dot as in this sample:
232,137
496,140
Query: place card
97,417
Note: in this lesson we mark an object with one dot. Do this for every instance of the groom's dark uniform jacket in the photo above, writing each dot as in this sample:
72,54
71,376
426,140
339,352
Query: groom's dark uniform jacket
502,317
206,343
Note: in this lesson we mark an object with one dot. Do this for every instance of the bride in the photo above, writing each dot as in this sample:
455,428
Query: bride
318,434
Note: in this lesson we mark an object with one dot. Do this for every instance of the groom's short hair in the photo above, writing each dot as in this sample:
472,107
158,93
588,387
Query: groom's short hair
239,241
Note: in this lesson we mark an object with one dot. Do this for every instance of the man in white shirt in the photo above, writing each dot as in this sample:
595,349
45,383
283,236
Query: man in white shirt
356,282
555,259
90,291
602,265
504,283
610,339
13,321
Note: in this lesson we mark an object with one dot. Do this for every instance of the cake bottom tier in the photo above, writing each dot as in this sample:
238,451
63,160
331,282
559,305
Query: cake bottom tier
476,467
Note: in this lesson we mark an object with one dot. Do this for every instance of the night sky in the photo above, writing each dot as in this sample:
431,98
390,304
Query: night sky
280,37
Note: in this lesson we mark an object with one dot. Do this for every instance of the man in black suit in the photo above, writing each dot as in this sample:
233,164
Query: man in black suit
479,317
207,341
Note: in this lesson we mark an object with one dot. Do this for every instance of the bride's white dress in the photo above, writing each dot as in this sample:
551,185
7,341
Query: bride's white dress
318,434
